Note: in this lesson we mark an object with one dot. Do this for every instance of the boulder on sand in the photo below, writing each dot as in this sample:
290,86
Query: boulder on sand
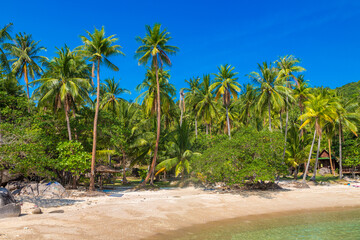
8,206
48,190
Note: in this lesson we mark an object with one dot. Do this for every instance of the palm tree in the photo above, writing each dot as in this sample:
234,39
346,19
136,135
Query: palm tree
247,103
226,85
109,92
25,61
97,48
154,47
301,93
66,80
319,110
272,89
347,115
192,97
181,148
206,106
4,35
287,66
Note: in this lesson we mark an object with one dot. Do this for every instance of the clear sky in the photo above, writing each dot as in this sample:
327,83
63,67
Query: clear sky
325,35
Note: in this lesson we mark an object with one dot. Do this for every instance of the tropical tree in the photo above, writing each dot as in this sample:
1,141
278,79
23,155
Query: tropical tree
26,59
154,48
66,80
226,85
192,97
319,110
272,88
247,103
287,66
98,48
109,95
4,36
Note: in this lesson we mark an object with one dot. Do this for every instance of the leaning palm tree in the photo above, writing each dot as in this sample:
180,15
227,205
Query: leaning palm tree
66,80
109,92
319,110
25,58
272,89
226,85
287,66
97,48
154,48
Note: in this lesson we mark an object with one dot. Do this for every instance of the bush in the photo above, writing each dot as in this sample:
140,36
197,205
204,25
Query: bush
249,155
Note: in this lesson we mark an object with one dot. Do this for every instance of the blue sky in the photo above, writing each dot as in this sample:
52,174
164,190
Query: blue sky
323,34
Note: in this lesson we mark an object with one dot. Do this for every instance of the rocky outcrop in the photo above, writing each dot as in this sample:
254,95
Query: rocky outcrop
8,205
6,176
47,190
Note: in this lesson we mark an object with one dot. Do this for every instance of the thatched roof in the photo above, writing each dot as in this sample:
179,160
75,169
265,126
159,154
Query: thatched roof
106,169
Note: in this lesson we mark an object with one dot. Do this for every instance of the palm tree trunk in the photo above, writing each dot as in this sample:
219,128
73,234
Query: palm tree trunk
228,122
124,167
281,123
92,173
27,85
196,133
317,159
269,110
340,152
207,128
181,109
152,168
66,107
308,163
1,136
286,129
331,165
75,132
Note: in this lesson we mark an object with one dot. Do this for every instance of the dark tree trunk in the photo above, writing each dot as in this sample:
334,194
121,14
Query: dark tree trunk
66,107
228,122
92,173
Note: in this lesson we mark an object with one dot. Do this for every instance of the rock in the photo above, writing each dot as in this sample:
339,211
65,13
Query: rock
6,176
58,211
37,211
324,171
6,197
47,190
8,206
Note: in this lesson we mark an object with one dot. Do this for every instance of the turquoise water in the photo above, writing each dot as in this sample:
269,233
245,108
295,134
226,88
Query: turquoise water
330,225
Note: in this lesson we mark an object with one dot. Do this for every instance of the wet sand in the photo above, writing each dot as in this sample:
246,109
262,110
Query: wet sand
145,214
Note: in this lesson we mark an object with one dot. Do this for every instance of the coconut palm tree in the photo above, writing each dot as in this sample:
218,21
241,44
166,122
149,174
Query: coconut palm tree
25,58
247,103
4,36
272,88
206,106
226,85
98,48
154,47
192,97
287,66
109,92
66,80
318,110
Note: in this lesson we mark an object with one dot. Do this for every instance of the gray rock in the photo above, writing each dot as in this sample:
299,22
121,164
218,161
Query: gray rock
6,176
47,190
324,171
37,211
10,210
6,197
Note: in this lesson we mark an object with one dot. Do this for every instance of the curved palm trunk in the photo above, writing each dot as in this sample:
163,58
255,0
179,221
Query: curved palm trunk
340,152
308,162
228,122
66,107
317,159
152,168
92,173
269,110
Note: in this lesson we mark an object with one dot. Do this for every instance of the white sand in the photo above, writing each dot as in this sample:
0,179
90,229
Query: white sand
145,213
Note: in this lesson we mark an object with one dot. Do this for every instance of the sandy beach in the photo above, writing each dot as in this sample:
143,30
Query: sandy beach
143,214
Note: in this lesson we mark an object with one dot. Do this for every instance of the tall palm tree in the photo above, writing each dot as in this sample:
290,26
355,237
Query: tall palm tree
247,103
206,106
25,62
347,116
301,93
192,97
288,65
226,85
66,80
109,94
4,36
319,110
98,48
272,89
154,48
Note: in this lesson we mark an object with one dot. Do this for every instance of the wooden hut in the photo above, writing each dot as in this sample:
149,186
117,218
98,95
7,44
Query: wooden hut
324,160
102,169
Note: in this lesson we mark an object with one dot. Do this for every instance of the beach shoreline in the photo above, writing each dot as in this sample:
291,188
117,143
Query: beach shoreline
150,214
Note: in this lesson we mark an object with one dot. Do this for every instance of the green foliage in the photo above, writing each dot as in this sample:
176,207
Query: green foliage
249,155
73,158
352,152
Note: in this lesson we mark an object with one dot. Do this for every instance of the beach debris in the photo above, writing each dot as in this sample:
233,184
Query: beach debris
8,205
37,211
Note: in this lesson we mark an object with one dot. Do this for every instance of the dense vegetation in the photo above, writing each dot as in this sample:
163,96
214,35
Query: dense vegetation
218,130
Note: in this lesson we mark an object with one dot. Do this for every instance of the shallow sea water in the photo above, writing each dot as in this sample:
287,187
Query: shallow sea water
330,224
